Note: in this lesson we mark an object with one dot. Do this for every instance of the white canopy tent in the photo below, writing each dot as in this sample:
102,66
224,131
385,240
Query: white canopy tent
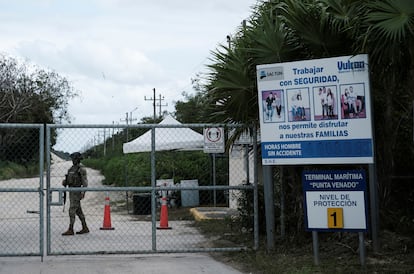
166,138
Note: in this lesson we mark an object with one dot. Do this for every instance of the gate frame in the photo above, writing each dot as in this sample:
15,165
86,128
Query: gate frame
153,189
39,190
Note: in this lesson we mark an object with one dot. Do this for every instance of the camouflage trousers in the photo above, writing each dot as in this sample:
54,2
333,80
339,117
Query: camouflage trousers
75,207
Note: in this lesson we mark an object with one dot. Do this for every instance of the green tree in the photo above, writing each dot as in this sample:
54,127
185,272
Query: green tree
192,109
29,94
386,32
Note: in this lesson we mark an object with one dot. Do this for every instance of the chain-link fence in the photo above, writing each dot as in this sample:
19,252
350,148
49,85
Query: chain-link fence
21,199
167,195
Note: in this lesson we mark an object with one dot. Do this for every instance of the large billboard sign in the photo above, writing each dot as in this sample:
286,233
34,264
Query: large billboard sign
315,111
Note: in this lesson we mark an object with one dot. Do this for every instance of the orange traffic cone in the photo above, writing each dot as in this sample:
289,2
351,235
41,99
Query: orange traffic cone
164,213
107,215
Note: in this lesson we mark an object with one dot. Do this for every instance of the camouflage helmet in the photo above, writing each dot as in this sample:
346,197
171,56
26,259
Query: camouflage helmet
76,156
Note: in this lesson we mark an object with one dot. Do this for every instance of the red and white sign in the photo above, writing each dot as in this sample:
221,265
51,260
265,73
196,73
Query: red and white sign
214,140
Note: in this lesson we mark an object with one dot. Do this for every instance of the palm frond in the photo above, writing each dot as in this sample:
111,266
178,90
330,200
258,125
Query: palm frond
391,20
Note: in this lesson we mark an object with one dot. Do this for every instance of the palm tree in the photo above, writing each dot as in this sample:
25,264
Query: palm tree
387,34
289,30
384,30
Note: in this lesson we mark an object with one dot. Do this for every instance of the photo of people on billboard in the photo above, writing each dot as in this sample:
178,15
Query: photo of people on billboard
325,103
273,106
353,101
298,103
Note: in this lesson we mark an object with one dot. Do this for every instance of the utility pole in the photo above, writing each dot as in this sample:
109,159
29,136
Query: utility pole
126,120
104,140
130,116
154,103
161,105
113,136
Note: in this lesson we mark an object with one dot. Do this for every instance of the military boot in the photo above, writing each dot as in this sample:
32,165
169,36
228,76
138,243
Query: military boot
69,232
84,229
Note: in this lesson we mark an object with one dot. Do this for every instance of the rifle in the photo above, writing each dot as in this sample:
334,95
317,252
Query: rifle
64,193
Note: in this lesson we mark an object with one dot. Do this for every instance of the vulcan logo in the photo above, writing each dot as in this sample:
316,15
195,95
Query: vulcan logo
275,73
351,66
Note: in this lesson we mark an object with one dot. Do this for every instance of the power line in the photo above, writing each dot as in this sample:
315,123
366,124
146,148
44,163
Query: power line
154,103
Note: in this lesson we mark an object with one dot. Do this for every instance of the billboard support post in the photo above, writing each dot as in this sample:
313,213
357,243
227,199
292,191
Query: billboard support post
315,244
269,209
373,193
361,248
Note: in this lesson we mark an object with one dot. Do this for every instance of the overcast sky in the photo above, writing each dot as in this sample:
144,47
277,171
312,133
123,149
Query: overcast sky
116,51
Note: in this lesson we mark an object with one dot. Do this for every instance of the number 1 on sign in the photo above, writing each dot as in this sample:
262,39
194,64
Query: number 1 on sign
335,218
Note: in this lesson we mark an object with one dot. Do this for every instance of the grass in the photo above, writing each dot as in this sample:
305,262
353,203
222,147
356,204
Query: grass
10,170
338,251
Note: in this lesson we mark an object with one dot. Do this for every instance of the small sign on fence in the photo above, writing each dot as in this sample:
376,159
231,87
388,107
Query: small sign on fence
214,140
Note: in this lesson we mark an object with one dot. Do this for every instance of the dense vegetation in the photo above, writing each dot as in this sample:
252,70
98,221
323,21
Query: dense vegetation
10,170
289,30
135,170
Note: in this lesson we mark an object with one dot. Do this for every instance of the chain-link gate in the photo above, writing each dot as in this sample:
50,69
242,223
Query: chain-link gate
142,184
154,201
21,189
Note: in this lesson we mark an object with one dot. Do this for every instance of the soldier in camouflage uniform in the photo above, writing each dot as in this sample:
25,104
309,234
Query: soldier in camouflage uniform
76,177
